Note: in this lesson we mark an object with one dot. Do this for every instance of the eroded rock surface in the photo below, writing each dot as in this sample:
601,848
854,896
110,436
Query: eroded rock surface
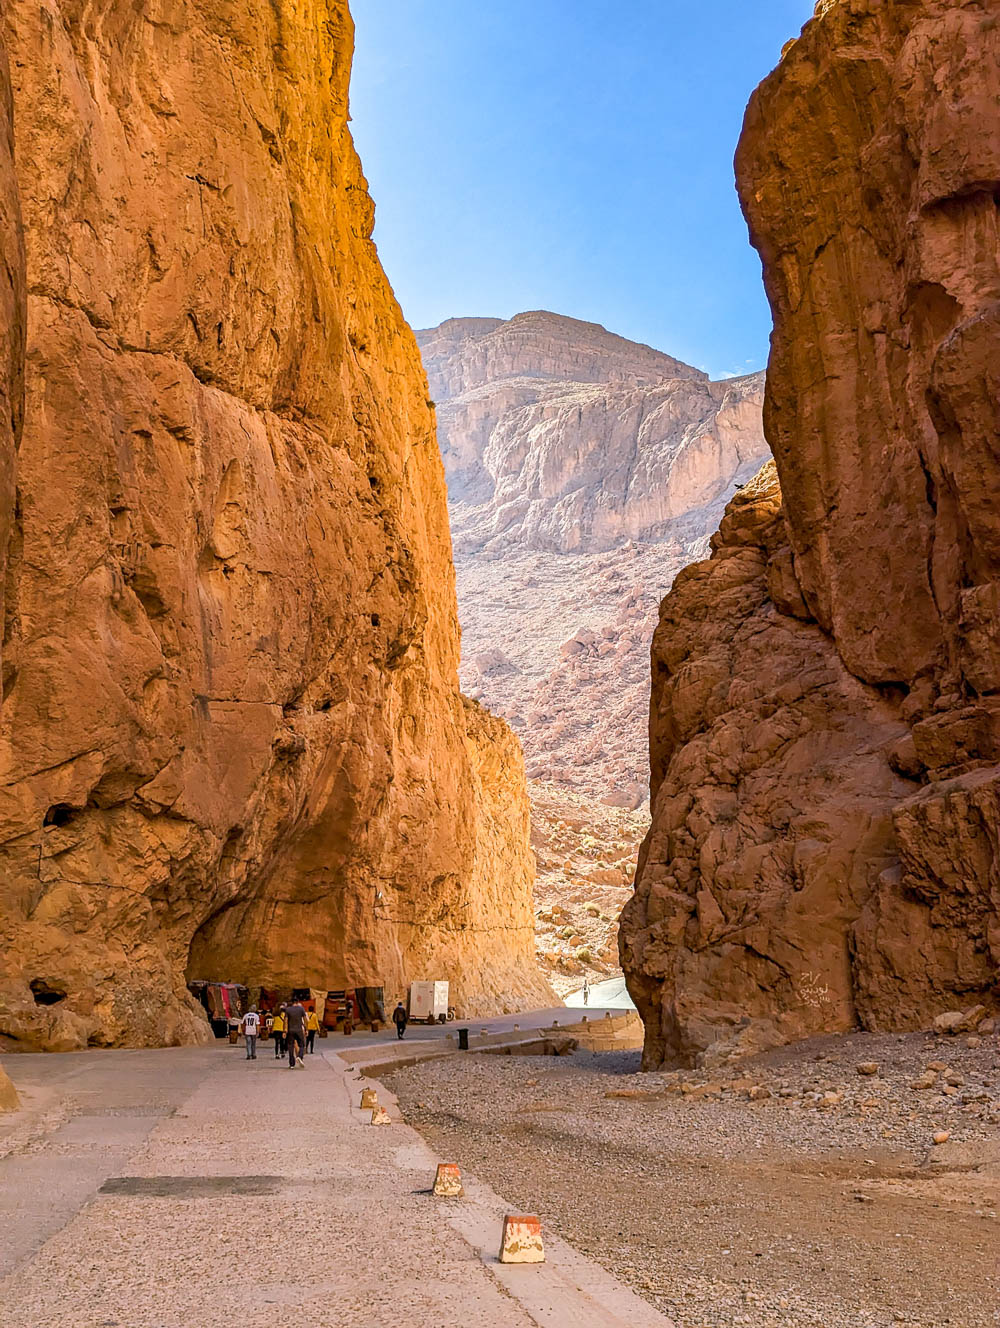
232,744
583,471
826,689
13,295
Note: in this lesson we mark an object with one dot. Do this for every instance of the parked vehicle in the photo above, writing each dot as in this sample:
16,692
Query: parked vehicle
429,1003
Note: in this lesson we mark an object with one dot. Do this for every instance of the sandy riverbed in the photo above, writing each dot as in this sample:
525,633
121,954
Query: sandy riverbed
724,1206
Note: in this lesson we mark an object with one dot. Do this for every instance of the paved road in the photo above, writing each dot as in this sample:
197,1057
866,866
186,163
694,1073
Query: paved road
609,995
190,1189
503,1024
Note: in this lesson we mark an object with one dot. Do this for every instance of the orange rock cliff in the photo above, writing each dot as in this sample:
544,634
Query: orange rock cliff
825,716
230,703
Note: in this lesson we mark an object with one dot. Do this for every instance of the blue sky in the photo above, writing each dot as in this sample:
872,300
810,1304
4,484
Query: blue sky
572,155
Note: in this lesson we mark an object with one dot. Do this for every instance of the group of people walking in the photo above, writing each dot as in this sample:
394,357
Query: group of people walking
294,1030
292,1026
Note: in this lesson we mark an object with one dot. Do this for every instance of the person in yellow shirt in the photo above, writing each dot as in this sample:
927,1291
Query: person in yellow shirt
312,1028
278,1029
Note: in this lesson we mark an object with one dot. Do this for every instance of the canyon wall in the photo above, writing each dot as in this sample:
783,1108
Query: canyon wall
583,471
232,744
13,295
825,718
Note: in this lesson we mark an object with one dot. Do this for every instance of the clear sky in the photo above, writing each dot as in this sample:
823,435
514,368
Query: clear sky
572,155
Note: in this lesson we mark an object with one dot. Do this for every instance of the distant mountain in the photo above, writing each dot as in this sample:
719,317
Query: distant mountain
584,470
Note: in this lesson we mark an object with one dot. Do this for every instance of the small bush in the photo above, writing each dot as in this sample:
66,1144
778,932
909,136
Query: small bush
584,955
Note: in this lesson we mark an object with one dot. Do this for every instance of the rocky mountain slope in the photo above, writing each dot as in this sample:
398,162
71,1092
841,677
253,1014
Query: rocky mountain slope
232,742
826,759
585,855
584,471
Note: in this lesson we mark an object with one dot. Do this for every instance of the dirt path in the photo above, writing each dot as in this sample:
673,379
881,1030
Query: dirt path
722,1210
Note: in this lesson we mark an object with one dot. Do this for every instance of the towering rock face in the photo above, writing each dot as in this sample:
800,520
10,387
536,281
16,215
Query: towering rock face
232,740
583,471
826,689
13,296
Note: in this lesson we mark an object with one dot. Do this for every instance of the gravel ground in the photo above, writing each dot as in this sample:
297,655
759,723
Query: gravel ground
788,1190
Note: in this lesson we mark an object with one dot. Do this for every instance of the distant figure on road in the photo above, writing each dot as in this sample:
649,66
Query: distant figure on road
295,1018
312,1028
250,1027
278,1029
586,991
399,1018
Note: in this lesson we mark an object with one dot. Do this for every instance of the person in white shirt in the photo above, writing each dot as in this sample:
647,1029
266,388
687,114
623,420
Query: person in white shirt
250,1027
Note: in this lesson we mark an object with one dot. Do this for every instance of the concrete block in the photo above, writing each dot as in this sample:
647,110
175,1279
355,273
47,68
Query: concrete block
369,1099
381,1117
522,1240
9,1100
448,1181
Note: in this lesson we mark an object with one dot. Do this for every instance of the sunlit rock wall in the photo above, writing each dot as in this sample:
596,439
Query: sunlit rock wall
826,690
230,710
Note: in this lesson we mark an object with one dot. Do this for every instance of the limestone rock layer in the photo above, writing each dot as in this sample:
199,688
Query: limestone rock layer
560,436
584,470
232,741
826,689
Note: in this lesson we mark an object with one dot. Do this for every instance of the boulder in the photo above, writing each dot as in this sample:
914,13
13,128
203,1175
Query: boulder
959,1021
924,1081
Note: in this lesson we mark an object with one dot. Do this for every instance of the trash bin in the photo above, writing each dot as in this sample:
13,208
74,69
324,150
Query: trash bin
463,1039
234,1036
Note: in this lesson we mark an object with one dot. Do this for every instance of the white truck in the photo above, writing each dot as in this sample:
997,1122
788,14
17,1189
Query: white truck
429,1003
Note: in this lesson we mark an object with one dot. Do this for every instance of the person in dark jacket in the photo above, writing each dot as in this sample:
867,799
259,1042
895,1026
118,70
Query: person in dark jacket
295,1038
399,1018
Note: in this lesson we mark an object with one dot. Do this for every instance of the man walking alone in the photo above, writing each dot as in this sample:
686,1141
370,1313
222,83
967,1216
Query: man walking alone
295,1034
250,1027
399,1018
